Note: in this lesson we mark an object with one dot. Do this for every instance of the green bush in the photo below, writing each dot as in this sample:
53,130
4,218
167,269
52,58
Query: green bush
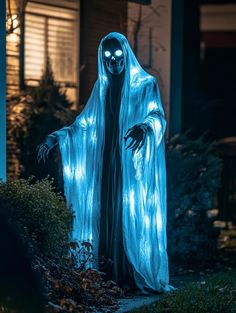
38,214
193,178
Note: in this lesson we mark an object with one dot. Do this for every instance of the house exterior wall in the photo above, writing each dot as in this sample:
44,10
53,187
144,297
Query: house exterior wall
15,12
98,18
218,17
153,41
16,41
2,92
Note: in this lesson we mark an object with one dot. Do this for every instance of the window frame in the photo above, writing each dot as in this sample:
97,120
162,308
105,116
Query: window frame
56,4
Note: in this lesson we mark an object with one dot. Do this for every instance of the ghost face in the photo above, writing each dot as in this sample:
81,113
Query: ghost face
113,56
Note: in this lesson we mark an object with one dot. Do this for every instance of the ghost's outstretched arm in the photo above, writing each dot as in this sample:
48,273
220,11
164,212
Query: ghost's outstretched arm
50,142
83,121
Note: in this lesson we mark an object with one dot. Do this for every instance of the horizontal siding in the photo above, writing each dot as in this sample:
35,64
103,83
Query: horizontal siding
13,65
69,4
98,19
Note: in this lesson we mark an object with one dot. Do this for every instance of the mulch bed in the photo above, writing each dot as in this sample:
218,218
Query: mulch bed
69,289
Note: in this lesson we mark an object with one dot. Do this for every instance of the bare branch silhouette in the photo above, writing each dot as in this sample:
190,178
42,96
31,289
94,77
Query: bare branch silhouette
13,19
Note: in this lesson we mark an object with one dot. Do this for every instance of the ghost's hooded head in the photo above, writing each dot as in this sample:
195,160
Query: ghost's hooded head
115,56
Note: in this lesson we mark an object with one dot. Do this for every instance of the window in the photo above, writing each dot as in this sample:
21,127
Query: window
52,31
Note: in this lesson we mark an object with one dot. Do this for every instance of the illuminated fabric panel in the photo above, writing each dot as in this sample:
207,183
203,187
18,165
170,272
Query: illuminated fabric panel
51,32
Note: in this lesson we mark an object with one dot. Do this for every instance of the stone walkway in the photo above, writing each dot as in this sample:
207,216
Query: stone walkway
135,302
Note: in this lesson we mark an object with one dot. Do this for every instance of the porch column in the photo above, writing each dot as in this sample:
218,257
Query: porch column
185,65
176,82
3,90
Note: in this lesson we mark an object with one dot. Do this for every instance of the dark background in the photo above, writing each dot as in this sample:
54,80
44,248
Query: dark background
204,86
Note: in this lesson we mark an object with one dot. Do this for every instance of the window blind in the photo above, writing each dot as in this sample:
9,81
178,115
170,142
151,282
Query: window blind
52,32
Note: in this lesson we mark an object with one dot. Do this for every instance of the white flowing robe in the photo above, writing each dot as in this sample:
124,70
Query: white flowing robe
143,173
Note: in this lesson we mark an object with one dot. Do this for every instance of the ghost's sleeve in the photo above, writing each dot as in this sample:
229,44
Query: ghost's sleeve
60,134
155,120
82,121
154,124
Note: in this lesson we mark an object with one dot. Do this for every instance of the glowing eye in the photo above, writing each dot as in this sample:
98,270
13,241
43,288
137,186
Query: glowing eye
118,53
107,54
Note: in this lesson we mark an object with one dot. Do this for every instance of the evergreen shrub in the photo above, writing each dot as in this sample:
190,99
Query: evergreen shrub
32,115
193,179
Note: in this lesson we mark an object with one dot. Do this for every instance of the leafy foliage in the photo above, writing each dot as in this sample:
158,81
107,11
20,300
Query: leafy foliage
69,288
38,214
193,178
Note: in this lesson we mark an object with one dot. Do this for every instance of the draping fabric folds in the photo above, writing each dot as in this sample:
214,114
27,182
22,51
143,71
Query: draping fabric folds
143,173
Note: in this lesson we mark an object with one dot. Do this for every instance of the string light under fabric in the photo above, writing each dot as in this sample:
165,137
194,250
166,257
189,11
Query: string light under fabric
143,172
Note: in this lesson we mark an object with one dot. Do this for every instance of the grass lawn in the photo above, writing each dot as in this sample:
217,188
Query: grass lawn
214,294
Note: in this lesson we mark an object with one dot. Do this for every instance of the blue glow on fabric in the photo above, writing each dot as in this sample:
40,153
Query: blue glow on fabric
143,172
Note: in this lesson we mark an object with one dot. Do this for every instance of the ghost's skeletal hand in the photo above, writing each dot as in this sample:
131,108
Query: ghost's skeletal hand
137,134
44,148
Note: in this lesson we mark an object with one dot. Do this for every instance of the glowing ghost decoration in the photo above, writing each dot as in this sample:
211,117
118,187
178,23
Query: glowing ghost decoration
143,173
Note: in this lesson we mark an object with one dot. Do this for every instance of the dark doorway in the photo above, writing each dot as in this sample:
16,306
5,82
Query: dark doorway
217,75
218,85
